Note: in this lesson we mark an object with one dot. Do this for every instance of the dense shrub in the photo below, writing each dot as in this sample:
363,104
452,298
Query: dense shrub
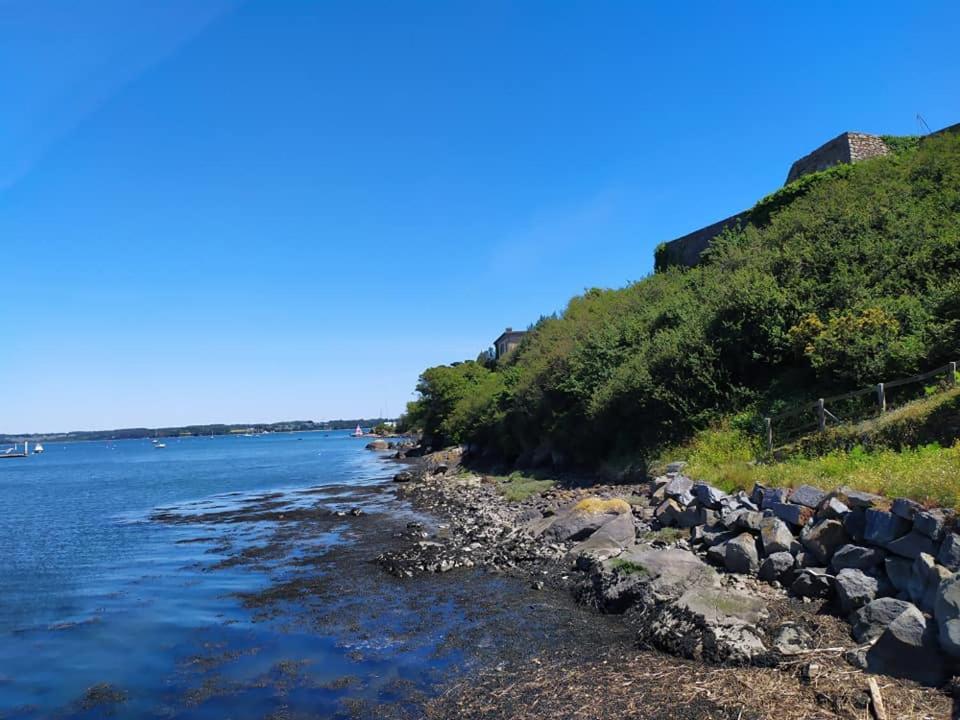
843,279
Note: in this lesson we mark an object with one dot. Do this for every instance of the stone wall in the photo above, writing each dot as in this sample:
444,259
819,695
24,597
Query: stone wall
848,147
686,250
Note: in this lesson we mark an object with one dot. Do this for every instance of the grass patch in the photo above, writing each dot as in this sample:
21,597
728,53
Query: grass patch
599,506
626,566
667,535
517,486
928,473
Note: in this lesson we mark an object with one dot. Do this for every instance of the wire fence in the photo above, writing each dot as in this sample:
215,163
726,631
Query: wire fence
854,406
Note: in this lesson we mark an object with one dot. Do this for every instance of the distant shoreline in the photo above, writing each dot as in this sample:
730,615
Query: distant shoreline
191,431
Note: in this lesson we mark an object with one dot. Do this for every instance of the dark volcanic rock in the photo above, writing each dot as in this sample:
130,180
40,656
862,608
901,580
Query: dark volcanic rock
854,589
908,649
776,537
947,612
855,556
883,527
807,495
824,538
869,622
741,556
930,523
905,508
776,566
855,523
707,495
813,583
949,555
798,515
912,545
899,570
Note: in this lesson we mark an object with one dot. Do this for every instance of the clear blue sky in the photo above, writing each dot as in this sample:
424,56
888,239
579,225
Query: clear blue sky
234,211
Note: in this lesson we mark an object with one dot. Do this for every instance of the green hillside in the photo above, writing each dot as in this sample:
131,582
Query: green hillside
839,280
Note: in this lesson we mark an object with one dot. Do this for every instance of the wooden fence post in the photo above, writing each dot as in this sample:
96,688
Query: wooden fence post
952,368
821,415
881,398
769,428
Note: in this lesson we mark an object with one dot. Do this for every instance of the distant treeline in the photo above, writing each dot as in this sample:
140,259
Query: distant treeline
190,430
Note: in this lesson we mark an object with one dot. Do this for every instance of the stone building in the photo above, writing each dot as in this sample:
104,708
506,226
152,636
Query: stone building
507,342
848,147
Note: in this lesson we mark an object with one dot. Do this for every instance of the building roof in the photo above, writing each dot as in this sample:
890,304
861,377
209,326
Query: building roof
510,334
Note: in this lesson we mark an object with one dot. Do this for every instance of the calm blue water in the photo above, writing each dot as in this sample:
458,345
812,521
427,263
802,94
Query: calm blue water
93,591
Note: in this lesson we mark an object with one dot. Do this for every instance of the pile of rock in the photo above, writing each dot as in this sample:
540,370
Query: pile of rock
484,531
890,566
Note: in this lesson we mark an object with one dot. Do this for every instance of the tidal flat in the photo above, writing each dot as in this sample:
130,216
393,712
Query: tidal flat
259,595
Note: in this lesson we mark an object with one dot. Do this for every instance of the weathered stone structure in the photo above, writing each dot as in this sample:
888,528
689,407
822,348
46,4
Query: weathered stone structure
848,147
686,250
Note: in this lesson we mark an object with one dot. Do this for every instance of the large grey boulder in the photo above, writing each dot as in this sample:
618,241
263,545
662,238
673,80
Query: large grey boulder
716,534
858,498
707,495
899,571
856,556
710,623
807,495
824,538
776,566
773,496
932,577
930,523
905,508
869,622
912,545
665,573
908,649
882,527
679,488
833,509
798,515
670,513
949,555
577,524
947,612
776,537
741,556
854,589
855,523
609,540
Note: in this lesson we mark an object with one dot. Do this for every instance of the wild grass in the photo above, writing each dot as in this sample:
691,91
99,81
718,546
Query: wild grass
517,487
667,535
627,566
890,456
598,506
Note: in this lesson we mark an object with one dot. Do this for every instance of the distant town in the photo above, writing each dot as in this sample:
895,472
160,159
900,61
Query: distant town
195,430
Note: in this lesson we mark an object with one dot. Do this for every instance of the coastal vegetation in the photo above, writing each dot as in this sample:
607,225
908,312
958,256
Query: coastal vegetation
840,280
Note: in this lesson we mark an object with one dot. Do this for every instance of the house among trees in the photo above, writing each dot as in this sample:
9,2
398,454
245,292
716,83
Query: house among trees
507,342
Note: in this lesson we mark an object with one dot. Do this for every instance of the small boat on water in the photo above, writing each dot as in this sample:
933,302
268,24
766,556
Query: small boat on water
358,432
159,445
37,449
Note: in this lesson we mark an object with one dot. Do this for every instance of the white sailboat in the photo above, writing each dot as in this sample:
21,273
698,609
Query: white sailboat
358,432
37,449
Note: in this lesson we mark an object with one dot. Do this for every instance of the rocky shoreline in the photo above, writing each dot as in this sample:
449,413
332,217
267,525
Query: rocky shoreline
739,584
